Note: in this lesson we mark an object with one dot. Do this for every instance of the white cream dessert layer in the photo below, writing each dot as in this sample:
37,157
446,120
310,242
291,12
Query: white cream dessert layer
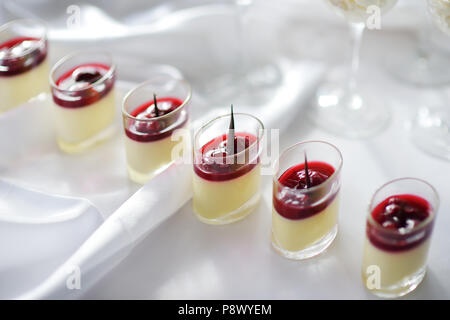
18,89
394,266
75,125
295,235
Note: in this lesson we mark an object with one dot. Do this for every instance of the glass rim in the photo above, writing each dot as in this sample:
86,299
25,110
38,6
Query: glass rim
69,56
421,225
186,100
315,188
258,138
42,39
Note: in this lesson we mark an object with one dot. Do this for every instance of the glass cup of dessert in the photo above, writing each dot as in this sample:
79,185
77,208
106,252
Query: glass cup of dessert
23,62
152,112
82,86
398,230
342,107
306,199
226,179
431,126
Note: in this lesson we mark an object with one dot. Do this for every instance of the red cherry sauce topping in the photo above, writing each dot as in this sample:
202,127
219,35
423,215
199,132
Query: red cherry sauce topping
216,164
145,130
75,88
292,204
21,54
401,213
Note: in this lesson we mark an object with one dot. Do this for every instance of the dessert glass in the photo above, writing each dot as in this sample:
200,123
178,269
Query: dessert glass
82,86
149,141
23,62
226,185
305,220
398,230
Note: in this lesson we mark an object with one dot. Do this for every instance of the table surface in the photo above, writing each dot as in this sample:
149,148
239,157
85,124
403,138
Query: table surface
185,259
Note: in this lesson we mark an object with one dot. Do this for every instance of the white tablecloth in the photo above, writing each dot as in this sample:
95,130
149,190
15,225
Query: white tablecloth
186,259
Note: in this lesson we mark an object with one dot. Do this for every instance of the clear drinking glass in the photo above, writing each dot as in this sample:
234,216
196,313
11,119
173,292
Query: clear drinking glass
23,62
340,106
423,63
305,220
84,113
227,185
395,256
431,126
247,83
149,142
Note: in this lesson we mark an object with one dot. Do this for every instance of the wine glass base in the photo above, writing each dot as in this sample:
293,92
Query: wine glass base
431,131
410,67
358,116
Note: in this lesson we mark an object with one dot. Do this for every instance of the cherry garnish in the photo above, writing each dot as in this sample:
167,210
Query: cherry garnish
21,54
217,158
297,205
144,129
297,177
89,76
74,88
401,212
216,164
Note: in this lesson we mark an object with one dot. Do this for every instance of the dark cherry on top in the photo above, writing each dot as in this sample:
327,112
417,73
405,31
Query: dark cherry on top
213,165
74,86
400,213
147,131
296,205
13,62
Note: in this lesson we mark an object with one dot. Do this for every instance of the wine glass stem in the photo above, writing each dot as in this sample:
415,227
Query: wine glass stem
424,47
356,33
241,14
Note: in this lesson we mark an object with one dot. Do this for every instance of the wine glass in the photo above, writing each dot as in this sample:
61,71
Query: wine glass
431,126
423,63
340,106
245,82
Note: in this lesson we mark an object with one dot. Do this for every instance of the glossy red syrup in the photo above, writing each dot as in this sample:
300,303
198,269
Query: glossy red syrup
213,165
401,214
147,131
74,88
13,61
296,205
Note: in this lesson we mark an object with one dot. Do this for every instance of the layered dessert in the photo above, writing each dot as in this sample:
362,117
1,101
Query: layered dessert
84,104
227,175
148,142
397,242
23,68
359,10
225,188
305,210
